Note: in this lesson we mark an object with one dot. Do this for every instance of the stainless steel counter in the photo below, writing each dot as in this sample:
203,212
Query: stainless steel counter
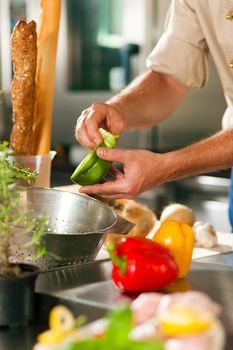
88,289
225,259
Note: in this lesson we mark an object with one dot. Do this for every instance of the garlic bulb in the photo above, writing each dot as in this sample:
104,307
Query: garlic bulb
205,235
178,212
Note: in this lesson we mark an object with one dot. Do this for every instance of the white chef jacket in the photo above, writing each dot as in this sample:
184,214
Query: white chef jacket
193,29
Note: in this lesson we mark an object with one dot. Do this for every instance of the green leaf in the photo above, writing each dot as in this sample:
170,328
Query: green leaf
84,345
120,323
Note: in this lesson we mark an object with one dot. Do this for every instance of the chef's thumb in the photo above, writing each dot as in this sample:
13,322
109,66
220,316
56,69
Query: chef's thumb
113,155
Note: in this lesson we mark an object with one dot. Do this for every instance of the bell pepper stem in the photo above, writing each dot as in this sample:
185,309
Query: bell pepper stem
118,261
109,139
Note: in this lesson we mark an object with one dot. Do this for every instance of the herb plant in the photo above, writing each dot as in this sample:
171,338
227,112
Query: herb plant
13,221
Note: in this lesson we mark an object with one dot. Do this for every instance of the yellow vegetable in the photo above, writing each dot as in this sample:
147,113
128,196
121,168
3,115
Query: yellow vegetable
61,323
181,320
179,238
50,337
61,319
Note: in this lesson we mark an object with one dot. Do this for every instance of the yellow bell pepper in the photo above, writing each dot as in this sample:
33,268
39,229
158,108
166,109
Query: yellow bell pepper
61,319
50,337
61,323
179,238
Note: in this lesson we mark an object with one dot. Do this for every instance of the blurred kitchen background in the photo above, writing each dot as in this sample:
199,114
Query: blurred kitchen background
103,45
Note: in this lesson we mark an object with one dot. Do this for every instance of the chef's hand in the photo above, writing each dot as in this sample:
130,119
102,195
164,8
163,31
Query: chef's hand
141,171
99,114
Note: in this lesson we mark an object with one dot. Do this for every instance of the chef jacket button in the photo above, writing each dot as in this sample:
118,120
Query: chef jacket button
230,65
229,16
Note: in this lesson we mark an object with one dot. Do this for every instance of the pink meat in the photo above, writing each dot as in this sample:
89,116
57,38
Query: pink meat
213,339
198,299
147,304
145,307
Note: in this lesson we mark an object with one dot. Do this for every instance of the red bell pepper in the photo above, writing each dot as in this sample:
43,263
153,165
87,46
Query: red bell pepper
141,265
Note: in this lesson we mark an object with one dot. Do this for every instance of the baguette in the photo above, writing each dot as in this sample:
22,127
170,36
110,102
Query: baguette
24,56
48,29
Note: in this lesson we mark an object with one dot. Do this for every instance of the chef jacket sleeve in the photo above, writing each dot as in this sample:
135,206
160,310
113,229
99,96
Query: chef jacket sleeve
182,52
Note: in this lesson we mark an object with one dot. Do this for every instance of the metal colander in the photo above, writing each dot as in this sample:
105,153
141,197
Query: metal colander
77,226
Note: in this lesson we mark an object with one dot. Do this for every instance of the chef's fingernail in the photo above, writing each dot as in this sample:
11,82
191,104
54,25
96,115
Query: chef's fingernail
99,152
102,152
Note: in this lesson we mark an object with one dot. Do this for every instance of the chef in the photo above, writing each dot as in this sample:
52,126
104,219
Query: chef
195,29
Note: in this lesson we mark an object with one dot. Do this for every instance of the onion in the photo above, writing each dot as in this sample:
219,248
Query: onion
178,212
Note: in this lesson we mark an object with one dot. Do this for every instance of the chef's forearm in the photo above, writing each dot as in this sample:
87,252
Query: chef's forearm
149,99
213,153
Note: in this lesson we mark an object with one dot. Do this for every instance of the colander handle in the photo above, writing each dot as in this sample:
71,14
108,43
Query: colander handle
122,226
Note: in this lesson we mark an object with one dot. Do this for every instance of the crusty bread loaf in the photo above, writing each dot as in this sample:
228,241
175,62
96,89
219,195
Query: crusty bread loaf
24,56
142,216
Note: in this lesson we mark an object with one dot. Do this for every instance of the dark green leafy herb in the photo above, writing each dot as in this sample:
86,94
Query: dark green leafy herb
13,221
